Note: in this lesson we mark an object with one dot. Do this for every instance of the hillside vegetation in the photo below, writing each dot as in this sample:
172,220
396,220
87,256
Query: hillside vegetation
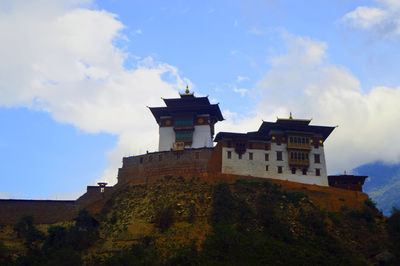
188,222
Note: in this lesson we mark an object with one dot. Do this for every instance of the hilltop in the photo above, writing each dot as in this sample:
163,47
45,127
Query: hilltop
248,221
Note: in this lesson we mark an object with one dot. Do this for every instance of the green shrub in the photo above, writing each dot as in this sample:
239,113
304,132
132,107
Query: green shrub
295,197
24,225
168,177
370,203
393,223
164,218
223,204
56,238
25,229
5,258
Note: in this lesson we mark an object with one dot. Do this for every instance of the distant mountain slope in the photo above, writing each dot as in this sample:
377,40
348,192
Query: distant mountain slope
383,184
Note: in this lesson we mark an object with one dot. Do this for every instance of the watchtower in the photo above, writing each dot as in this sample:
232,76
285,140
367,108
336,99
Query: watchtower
186,122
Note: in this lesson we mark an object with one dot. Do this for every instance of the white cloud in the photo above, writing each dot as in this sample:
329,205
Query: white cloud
332,95
241,91
240,78
60,58
383,19
138,31
301,50
256,31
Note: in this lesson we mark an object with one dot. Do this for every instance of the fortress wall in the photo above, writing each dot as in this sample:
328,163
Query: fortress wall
43,211
187,163
93,193
49,211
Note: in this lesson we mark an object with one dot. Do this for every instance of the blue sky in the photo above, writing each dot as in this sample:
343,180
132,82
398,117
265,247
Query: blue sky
76,77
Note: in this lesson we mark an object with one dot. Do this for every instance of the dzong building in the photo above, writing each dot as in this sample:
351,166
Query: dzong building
287,149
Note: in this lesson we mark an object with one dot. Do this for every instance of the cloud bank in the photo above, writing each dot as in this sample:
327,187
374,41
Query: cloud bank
383,19
60,57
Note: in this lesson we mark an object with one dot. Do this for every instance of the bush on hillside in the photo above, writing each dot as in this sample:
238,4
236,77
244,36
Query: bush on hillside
164,217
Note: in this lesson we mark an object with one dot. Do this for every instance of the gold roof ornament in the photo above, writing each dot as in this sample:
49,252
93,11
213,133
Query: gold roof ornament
187,92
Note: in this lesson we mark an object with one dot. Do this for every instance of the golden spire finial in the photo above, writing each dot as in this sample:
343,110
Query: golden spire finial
345,172
290,117
187,89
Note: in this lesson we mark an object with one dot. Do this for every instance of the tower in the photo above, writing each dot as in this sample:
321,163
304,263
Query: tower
186,122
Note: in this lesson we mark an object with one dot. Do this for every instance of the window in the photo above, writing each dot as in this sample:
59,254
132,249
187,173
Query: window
317,158
279,169
278,141
250,145
266,157
183,136
316,146
197,155
317,172
240,156
266,168
178,155
141,160
229,154
291,139
229,144
250,156
267,146
279,156
183,122
150,158
304,171
160,157
294,171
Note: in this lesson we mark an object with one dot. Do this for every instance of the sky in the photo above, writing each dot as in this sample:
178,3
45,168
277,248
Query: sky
76,78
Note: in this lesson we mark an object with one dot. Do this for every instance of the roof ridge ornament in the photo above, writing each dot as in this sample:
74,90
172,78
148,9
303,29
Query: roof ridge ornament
187,92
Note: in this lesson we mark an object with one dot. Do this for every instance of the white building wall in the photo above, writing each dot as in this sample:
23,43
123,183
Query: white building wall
167,138
202,137
257,166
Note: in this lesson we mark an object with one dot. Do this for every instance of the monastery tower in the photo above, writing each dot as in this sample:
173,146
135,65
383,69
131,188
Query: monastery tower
186,122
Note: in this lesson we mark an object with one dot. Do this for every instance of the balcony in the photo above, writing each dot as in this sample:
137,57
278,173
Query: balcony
178,146
299,146
300,163
299,142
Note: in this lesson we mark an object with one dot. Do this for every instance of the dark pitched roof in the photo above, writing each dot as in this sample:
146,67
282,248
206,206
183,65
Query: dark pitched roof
282,125
187,100
234,136
295,126
187,103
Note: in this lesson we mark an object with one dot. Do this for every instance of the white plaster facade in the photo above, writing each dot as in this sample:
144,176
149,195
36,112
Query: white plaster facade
201,138
167,138
257,166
